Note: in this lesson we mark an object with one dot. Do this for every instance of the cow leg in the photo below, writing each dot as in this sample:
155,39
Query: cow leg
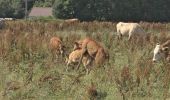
87,70
82,54
99,58
129,38
87,64
57,57
131,32
68,63
119,36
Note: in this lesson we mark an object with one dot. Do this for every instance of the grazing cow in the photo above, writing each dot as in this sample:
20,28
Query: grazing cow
74,20
9,18
68,22
74,57
162,51
130,30
93,48
56,46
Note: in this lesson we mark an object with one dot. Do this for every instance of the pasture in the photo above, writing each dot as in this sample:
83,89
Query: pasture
27,71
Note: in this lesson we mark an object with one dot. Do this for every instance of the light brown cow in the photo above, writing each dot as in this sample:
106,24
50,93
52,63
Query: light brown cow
74,20
74,57
162,51
93,48
130,30
56,46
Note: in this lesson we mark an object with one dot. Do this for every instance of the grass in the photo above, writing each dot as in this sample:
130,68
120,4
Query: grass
27,71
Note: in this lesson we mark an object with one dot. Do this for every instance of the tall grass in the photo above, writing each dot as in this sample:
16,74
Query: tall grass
27,70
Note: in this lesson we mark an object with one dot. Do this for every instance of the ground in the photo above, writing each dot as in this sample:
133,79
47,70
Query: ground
27,71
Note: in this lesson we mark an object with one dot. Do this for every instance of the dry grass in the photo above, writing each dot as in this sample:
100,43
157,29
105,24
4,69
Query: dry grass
28,71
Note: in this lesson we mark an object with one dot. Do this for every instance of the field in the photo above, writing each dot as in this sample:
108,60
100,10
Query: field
27,71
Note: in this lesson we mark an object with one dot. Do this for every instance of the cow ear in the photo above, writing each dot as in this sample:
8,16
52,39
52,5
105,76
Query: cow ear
165,48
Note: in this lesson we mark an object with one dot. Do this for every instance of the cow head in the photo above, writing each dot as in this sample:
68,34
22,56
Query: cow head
159,52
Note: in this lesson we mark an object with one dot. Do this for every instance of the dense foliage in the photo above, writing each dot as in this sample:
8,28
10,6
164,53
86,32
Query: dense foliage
13,8
115,10
44,3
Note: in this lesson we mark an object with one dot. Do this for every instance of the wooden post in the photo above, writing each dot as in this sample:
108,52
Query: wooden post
26,8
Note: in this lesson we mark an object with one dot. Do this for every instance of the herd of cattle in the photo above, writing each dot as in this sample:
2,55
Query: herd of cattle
85,51
89,51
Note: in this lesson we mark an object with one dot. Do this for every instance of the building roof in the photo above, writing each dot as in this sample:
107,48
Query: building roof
41,11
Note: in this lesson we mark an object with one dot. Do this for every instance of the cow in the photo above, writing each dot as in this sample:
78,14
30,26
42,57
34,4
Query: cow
162,51
56,46
130,29
93,48
74,20
74,57
9,19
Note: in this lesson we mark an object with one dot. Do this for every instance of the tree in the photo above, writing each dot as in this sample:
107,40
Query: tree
13,8
63,9
115,10
44,3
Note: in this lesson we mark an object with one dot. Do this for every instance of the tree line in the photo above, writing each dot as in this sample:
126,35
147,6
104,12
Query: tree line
14,8
103,10
113,10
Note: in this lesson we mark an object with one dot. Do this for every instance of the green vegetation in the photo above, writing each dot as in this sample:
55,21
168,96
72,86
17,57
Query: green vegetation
115,10
44,3
88,10
27,71
13,8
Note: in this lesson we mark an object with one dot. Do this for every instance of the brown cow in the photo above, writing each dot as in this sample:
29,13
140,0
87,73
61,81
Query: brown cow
162,51
74,57
93,48
56,46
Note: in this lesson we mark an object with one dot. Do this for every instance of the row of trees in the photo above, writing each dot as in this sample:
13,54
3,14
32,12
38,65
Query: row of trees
115,10
44,3
14,8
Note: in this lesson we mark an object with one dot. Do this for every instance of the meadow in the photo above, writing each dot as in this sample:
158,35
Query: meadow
27,71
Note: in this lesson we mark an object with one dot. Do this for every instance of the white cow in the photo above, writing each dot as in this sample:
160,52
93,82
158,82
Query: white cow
9,18
162,51
130,30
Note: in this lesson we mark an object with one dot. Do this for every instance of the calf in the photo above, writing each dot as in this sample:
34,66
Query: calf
56,46
75,56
